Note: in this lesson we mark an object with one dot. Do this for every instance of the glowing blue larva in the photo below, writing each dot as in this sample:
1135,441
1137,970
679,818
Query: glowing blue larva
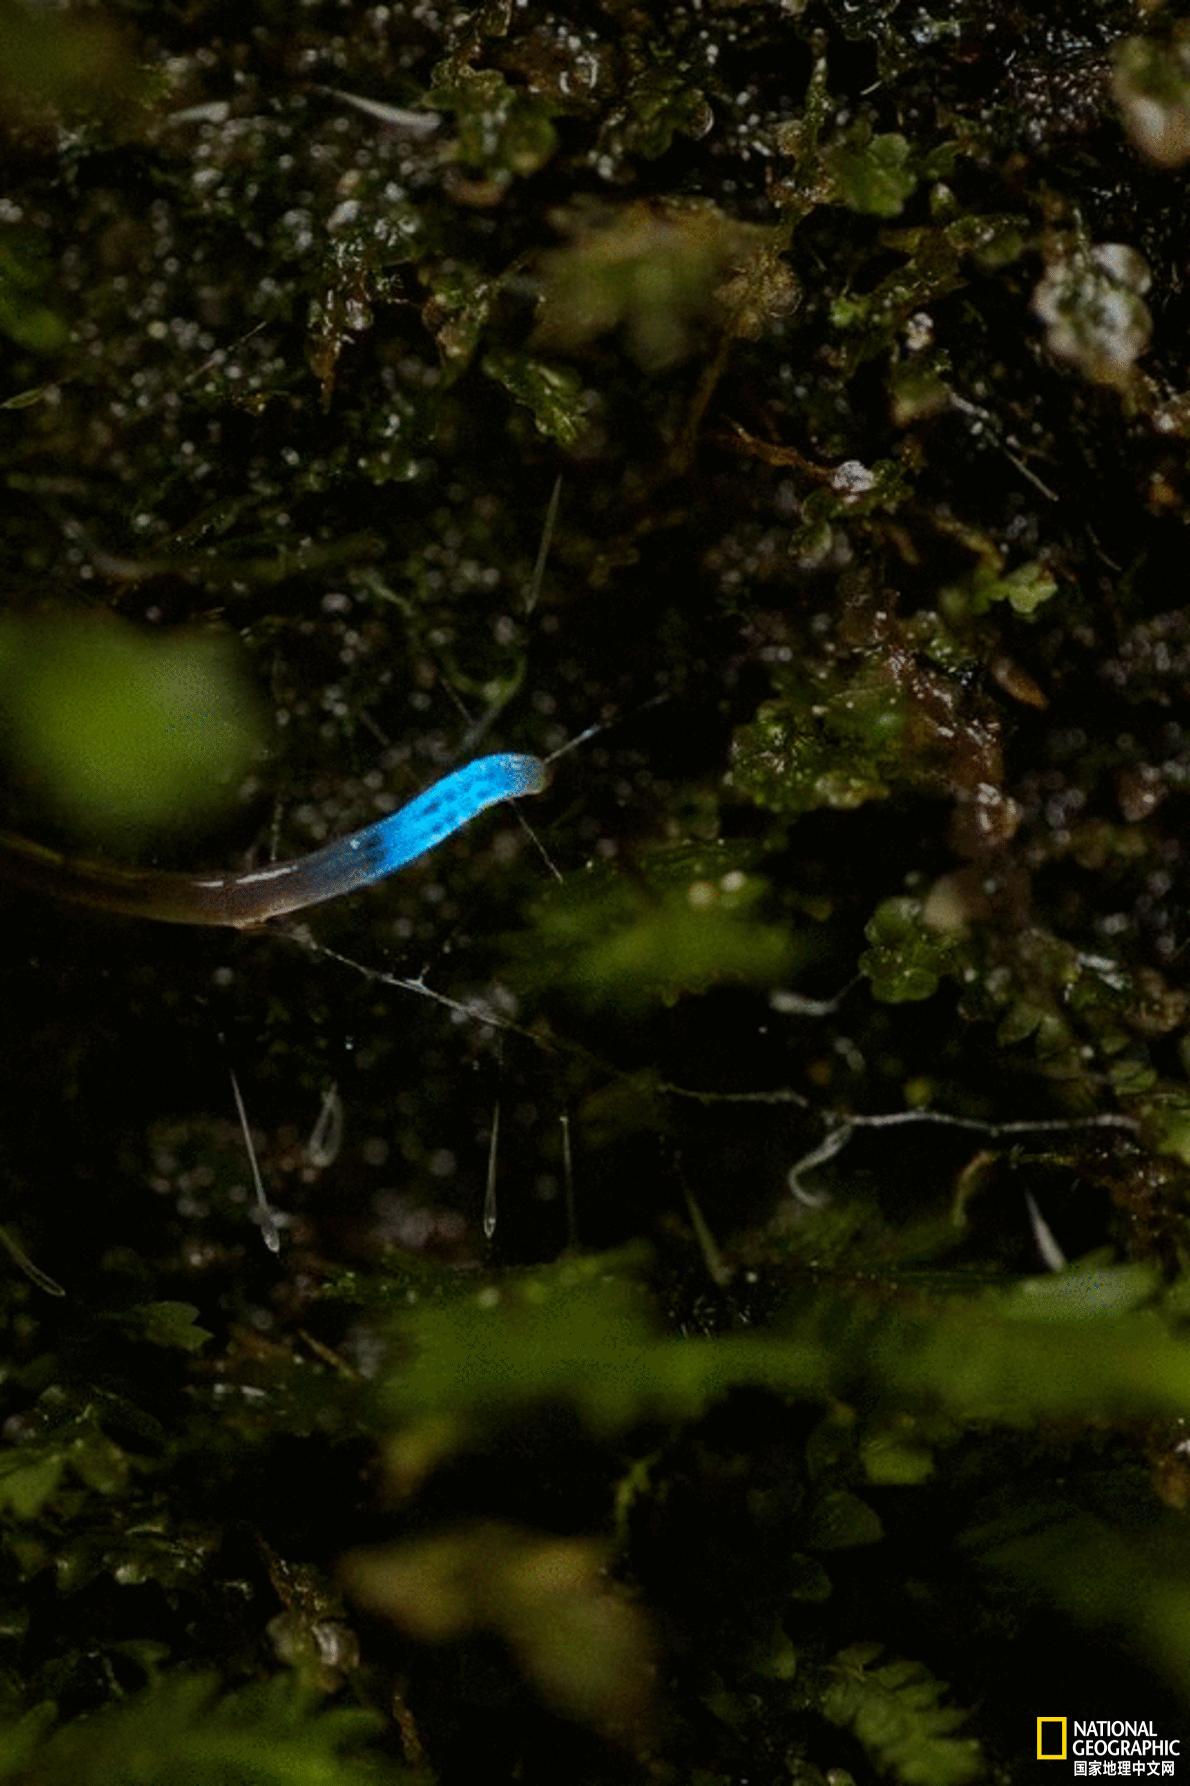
243,899
450,803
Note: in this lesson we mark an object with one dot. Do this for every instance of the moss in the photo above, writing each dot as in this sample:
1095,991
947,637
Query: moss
904,961
872,174
775,416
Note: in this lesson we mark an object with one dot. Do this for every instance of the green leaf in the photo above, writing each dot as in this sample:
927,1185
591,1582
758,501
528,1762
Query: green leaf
872,174
580,1641
1083,1291
827,740
21,1738
660,102
502,131
841,732
25,317
1107,1555
656,272
1167,1124
74,64
27,1483
994,1358
840,1521
29,399
897,1712
687,920
554,395
1024,589
808,1580
125,729
906,960
66,1441
582,1333
180,1728
896,1454
168,1324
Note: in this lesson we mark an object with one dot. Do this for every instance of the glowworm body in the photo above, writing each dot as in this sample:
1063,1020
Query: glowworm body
240,900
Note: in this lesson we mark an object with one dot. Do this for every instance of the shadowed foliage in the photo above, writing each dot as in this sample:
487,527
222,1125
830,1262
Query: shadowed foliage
731,1315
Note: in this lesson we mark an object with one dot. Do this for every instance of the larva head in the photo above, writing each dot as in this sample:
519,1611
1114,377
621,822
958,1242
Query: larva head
519,775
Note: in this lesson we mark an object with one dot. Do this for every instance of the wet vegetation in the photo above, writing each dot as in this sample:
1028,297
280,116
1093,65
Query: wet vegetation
730,1320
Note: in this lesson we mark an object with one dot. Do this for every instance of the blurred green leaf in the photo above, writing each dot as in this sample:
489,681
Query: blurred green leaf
28,1481
687,922
894,1455
1091,300
839,1520
64,60
584,1333
123,731
897,1712
656,271
183,1729
1152,91
1085,1354
1086,1289
1024,589
583,1644
167,1324
1106,1554
581,1333
25,315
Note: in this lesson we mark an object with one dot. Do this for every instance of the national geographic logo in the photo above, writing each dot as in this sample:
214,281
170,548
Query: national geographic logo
1111,1748
1051,1739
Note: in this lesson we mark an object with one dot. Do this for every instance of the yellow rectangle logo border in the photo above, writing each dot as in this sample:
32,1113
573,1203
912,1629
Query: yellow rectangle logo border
1041,1752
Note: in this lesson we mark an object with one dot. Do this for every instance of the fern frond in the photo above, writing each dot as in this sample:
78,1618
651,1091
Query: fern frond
182,1730
896,1712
